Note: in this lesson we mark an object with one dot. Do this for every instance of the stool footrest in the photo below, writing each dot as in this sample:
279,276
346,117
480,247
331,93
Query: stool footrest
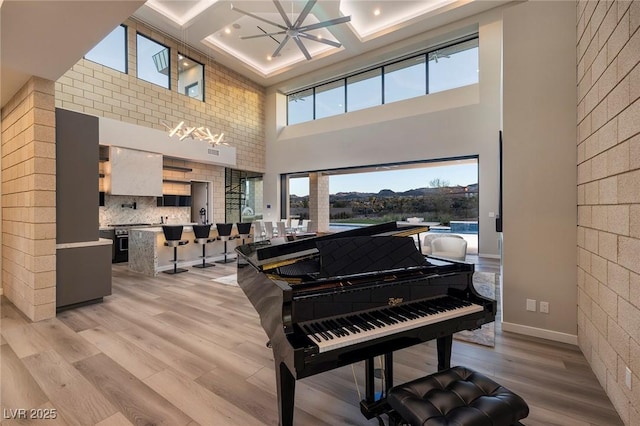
174,271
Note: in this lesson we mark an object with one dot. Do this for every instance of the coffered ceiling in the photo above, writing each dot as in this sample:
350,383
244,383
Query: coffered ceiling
214,28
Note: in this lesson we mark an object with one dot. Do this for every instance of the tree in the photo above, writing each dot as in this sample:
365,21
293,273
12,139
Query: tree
438,183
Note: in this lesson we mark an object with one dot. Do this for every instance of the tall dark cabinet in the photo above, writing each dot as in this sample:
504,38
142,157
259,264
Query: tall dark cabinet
83,262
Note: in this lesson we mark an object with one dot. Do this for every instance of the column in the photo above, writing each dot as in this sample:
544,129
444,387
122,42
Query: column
29,200
319,202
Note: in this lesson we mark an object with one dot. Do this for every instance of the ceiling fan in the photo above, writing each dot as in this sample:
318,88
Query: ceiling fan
295,30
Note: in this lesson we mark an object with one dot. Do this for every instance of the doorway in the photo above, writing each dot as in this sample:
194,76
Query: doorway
200,202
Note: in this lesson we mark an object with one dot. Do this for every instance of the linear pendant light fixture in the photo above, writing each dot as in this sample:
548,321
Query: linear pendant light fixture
196,133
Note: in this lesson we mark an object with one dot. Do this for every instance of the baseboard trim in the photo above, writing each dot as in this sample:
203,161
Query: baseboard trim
556,336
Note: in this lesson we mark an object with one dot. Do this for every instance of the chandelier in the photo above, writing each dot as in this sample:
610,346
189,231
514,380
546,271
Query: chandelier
201,133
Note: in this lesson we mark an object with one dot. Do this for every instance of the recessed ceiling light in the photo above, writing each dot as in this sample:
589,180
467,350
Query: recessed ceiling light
227,30
376,12
268,58
319,36
236,26
186,64
180,56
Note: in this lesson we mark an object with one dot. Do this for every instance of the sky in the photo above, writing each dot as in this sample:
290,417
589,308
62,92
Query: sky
396,180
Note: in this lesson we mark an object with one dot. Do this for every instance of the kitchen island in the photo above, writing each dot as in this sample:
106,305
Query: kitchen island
148,255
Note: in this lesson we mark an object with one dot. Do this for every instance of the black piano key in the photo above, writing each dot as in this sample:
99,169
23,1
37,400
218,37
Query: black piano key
376,322
310,333
384,317
408,312
393,315
363,323
348,326
382,321
319,330
329,329
423,311
336,328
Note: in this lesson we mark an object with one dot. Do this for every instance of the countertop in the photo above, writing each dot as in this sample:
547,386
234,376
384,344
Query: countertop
187,227
99,242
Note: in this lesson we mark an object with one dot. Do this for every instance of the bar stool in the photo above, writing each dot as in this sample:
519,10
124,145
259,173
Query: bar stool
244,230
224,234
202,237
173,237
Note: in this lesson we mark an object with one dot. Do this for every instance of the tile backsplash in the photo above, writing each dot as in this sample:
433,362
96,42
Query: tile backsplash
146,211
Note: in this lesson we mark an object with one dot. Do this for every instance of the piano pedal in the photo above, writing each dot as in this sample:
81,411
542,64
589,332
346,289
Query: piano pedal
268,344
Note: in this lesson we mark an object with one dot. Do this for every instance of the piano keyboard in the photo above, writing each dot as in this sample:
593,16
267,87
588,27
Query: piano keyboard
334,333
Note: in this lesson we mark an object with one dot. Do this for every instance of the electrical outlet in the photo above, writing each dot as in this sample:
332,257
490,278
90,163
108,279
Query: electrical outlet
544,307
627,377
531,305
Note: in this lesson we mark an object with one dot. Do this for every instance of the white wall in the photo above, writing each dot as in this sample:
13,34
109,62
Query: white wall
539,168
459,122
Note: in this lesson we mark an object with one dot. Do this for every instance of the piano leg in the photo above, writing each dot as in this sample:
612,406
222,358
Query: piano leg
388,372
369,377
369,386
286,385
444,351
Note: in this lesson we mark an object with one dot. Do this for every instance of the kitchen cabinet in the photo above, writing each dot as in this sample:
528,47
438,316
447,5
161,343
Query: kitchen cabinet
174,201
133,172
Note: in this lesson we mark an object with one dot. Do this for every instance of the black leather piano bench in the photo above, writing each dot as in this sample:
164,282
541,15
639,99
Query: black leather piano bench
456,396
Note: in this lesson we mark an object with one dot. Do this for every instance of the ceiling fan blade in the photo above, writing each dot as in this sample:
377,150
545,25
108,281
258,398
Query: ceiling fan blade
320,40
261,35
285,18
323,24
277,51
257,17
270,35
304,50
304,13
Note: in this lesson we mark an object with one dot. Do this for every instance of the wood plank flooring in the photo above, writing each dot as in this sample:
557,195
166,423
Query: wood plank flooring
184,350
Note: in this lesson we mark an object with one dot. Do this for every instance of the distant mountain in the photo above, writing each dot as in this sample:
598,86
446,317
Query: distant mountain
388,193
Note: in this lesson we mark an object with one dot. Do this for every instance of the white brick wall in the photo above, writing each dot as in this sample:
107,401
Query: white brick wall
609,196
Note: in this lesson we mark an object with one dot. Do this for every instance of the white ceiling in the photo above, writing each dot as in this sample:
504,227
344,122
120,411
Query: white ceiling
213,28
45,38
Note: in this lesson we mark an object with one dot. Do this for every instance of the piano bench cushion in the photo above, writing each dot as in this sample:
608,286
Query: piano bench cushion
457,396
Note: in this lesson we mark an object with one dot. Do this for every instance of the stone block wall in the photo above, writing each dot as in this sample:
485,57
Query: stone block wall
233,104
608,91
29,200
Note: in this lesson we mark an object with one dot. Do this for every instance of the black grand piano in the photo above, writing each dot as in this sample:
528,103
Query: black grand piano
336,299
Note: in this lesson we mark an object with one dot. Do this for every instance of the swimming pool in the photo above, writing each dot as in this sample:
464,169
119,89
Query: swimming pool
456,227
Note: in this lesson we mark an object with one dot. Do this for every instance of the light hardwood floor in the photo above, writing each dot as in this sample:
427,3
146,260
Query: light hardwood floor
184,350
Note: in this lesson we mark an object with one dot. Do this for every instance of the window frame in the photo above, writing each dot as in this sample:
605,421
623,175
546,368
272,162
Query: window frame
125,51
191,85
138,33
425,53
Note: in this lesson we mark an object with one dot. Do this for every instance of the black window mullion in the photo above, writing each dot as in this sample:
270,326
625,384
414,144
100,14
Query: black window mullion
126,48
382,80
426,72
344,86
314,103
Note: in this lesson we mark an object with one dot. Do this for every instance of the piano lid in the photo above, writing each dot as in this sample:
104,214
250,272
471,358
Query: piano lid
266,256
357,255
